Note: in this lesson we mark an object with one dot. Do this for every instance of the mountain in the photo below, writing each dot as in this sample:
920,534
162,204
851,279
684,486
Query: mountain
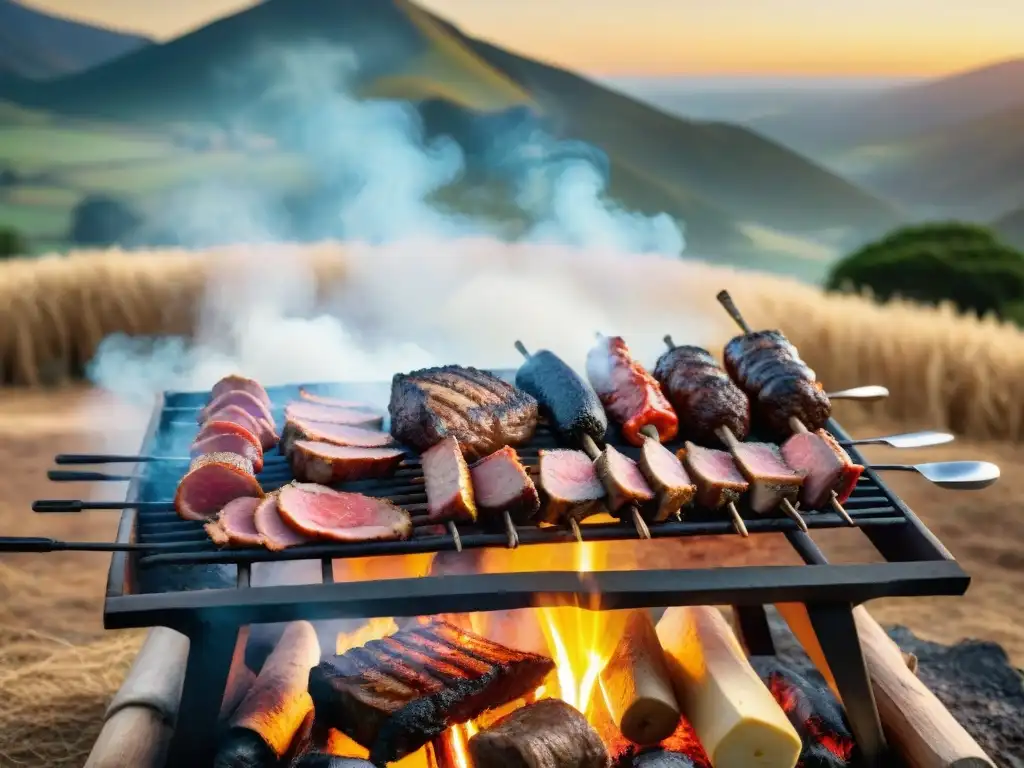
35,45
1010,227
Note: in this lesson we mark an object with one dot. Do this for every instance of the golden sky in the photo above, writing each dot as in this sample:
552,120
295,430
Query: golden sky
770,37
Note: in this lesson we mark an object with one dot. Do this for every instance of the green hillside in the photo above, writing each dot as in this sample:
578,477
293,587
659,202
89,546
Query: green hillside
1010,227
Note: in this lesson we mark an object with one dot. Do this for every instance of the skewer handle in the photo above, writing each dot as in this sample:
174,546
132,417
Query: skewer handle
668,341
728,438
71,476
38,544
590,447
100,458
737,520
730,306
521,349
650,431
510,531
797,426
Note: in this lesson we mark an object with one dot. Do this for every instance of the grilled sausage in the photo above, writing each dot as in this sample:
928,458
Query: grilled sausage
703,395
568,402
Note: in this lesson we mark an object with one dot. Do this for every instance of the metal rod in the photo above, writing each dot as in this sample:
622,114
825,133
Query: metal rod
36,544
591,449
730,306
455,535
521,348
510,530
800,428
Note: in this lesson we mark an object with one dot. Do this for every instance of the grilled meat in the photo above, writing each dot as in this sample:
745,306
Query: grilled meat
336,434
714,473
570,404
228,442
396,694
851,471
448,482
211,482
703,395
214,428
673,488
248,403
262,428
323,513
571,486
353,417
778,382
828,468
334,402
771,480
240,383
622,480
275,533
235,524
629,394
502,484
325,463
481,411
546,734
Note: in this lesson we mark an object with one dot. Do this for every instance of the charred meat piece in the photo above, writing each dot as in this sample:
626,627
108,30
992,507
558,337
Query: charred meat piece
630,395
248,403
325,463
714,473
546,734
306,410
274,531
481,411
211,482
571,486
324,513
570,404
502,484
703,395
235,525
666,475
449,483
229,442
622,480
827,466
262,428
771,479
242,384
336,434
396,694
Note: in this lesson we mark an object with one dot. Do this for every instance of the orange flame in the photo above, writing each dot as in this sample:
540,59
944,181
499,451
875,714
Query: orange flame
374,629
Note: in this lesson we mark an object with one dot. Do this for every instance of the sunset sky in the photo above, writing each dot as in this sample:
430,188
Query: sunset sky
653,37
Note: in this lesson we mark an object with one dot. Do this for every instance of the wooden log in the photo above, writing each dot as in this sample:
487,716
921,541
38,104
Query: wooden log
915,722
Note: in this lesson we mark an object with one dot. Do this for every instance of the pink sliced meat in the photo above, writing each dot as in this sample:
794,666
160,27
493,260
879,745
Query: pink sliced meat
714,473
235,526
276,533
622,479
229,442
212,427
666,475
261,428
326,463
211,482
337,434
300,409
333,402
242,384
771,479
502,484
571,486
247,402
449,484
810,453
323,513
851,471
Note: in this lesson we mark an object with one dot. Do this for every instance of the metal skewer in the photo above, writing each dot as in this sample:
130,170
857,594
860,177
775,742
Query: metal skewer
799,427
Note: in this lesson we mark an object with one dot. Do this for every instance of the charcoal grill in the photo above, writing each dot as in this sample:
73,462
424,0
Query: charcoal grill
189,585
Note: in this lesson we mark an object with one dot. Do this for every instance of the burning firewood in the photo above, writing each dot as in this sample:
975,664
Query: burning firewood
548,734
264,725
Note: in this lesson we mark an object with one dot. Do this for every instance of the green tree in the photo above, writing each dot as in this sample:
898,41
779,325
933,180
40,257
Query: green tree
12,243
962,263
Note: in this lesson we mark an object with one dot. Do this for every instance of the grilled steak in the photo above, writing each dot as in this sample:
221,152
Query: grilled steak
229,442
622,480
323,513
714,473
570,404
703,395
248,403
571,486
275,532
396,694
242,384
481,411
448,482
502,484
211,482
262,428
546,734
306,410
672,487
336,434
827,466
234,524
326,463
771,480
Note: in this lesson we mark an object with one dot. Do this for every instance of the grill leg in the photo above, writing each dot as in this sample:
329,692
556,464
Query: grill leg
753,629
210,655
837,636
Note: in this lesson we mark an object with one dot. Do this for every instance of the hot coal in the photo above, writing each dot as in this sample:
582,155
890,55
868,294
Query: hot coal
326,463
657,758
570,404
502,484
396,694
448,482
321,760
680,750
571,486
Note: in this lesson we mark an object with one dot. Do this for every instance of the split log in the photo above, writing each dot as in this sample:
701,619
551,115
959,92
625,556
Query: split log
916,723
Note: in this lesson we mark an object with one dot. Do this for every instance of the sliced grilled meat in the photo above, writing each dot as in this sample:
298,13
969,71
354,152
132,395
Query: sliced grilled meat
630,395
481,411
248,403
213,428
571,486
211,482
274,531
622,480
702,394
851,470
336,434
771,479
323,513
828,468
570,404
229,442
326,463
334,402
502,484
243,384
353,417
396,694
714,473
546,734
666,475
235,524
262,428
449,483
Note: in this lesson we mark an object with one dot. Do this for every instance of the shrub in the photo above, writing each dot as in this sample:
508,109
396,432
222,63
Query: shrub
102,221
12,243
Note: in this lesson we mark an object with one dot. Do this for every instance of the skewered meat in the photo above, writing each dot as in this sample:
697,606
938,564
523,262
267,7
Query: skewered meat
213,428
275,532
672,487
229,442
546,734
336,434
449,484
323,513
502,484
714,473
628,392
703,395
827,466
325,463
481,411
571,486
248,403
622,480
570,404
242,384
235,524
778,382
771,480
302,409
212,481
263,430
396,694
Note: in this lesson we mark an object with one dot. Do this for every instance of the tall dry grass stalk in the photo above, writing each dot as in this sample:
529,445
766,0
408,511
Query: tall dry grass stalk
943,369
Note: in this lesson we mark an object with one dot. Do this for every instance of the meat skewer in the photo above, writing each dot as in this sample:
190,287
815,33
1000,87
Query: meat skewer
719,483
